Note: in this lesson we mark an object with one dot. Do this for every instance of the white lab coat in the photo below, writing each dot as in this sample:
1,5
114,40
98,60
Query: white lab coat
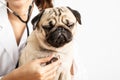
9,51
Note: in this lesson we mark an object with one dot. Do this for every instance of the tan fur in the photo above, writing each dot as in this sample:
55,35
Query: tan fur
36,43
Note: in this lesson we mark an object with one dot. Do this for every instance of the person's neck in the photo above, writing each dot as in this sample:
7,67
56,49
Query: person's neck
20,10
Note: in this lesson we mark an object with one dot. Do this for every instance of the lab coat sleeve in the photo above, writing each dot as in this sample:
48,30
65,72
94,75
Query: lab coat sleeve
2,52
6,64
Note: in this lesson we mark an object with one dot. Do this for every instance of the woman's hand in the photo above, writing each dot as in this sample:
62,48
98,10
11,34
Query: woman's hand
33,71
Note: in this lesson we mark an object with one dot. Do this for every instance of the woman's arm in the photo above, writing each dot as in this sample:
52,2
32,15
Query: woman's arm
33,71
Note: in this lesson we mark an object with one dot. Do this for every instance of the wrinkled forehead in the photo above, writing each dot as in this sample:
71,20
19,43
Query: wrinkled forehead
58,11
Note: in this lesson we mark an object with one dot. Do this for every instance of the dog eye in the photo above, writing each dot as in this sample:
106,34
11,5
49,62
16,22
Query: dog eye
51,23
47,27
70,25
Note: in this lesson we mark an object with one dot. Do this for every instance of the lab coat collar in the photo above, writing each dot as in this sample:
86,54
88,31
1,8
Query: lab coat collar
7,39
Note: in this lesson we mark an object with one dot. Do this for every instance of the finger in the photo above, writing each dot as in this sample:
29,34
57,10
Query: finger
50,72
48,75
51,77
52,66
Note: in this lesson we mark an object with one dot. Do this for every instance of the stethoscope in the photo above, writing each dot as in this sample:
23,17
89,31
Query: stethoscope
24,21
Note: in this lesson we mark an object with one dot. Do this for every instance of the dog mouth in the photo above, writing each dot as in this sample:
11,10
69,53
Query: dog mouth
59,37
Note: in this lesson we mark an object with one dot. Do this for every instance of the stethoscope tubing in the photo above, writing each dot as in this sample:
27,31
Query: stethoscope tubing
24,21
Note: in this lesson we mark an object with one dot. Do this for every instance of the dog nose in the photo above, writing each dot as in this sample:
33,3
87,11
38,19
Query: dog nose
60,29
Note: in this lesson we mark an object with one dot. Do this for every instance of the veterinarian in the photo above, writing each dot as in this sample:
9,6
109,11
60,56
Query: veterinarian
15,27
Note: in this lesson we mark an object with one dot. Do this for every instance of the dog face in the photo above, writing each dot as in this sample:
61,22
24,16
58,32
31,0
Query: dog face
56,26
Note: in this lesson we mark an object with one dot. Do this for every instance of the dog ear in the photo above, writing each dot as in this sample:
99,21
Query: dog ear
76,14
36,19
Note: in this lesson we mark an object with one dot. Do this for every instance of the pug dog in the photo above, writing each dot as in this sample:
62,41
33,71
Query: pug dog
53,33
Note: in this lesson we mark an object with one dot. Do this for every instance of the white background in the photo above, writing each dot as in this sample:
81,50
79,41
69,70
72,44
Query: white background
98,38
